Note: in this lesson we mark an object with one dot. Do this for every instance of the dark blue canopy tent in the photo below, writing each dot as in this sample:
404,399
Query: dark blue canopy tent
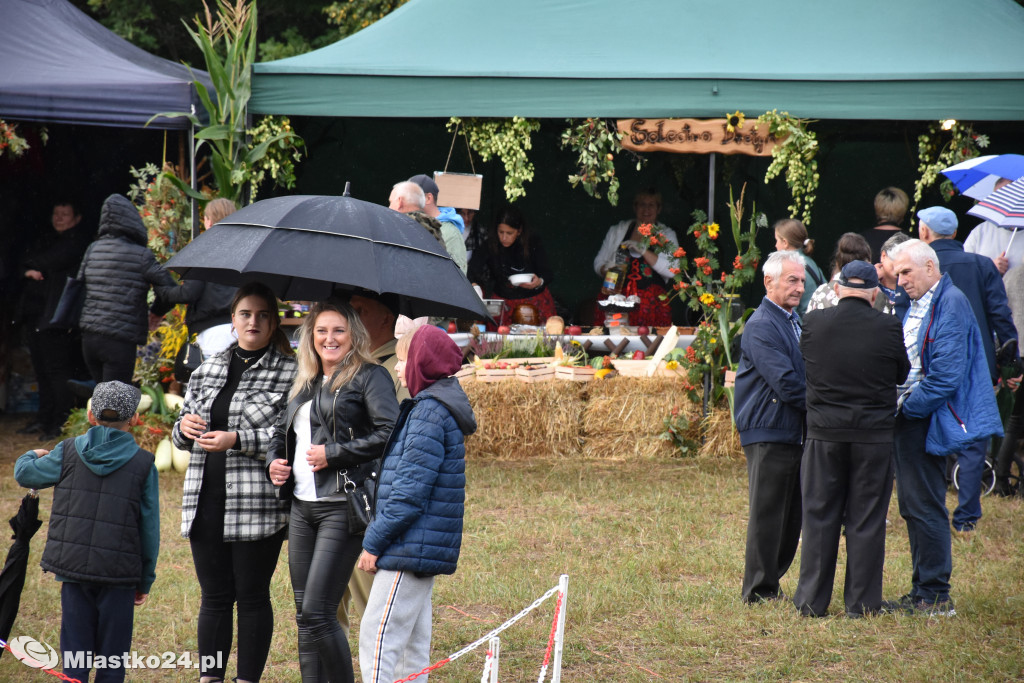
61,66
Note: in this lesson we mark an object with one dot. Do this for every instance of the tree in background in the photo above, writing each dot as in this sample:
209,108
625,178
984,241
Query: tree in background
287,27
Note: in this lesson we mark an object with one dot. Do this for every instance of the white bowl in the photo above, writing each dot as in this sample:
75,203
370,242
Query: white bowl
520,278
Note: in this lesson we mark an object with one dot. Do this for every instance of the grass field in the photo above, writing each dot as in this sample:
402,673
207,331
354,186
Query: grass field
654,552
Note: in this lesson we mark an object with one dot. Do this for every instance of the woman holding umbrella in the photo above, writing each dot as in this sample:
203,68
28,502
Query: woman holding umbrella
328,441
229,513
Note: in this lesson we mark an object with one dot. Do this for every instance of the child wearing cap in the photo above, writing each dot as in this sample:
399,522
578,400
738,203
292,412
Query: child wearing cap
417,531
104,531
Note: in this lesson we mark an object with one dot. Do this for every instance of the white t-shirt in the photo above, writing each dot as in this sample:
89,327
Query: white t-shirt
988,239
305,484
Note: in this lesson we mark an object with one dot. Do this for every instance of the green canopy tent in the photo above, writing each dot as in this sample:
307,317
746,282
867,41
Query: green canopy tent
871,59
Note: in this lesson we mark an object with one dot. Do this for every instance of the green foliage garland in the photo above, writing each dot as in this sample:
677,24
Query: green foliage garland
507,139
935,153
596,142
794,154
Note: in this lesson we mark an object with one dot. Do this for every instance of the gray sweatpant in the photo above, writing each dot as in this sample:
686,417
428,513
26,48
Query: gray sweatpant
394,634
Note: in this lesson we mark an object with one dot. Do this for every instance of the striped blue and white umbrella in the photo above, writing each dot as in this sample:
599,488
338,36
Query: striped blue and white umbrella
1004,207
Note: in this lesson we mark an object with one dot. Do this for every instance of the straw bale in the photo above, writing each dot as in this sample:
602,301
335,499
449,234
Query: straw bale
624,417
516,420
720,436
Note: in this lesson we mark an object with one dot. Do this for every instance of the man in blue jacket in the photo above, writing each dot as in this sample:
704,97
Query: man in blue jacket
770,411
945,404
977,277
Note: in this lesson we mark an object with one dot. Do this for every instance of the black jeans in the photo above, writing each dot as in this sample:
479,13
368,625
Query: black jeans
321,555
233,572
56,357
107,358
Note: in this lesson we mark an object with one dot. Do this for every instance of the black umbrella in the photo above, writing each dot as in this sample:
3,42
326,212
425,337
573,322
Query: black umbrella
12,576
303,247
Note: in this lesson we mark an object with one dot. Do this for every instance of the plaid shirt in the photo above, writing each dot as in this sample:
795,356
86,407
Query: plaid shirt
252,509
911,331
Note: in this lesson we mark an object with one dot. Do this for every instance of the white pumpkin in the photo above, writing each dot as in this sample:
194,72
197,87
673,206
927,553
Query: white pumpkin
163,455
173,402
145,403
180,458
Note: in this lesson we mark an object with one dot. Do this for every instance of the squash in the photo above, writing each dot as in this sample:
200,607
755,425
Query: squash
163,455
180,458
145,403
173,402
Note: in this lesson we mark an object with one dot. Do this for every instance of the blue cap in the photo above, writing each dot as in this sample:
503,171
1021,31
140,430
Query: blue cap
939,219
859,270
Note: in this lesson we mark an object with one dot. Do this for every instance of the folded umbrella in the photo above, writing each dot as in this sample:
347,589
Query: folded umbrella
304,247
977,177
12,577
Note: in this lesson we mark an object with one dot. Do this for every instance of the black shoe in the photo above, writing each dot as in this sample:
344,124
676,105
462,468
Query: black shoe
30,428
81,388
905,605
937,608
773,597
1003,487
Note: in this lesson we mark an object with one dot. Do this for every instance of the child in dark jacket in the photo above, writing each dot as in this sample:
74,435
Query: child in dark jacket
104,531
417,531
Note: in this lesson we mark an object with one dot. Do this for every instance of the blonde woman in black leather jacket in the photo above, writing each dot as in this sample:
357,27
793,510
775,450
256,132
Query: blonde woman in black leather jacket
341,413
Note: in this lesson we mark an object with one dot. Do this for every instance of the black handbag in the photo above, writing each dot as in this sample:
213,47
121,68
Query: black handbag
361,500
69,307
72,299
189,357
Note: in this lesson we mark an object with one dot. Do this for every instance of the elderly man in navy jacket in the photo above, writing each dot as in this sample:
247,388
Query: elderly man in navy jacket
977,277
770,412
945,404
855,360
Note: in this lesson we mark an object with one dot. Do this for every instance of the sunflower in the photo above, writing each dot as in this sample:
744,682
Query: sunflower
734,121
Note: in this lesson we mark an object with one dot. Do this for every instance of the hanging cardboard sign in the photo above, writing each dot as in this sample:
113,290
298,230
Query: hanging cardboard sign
695,136
459,190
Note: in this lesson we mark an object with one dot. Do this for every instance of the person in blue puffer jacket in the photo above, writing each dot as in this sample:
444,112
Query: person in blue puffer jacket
417,531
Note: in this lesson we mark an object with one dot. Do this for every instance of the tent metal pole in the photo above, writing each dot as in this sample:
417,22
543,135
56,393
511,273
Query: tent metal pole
192,176
711,187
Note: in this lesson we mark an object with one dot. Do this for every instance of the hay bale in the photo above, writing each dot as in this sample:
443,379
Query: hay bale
720,436
518,421
624,417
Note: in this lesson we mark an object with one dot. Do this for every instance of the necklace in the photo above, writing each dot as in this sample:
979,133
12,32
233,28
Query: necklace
247,359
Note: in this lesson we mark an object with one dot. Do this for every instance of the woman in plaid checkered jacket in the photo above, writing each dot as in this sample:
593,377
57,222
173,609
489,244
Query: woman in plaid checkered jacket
230,513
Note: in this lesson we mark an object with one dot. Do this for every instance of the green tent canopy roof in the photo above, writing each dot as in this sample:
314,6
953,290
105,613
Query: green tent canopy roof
869,59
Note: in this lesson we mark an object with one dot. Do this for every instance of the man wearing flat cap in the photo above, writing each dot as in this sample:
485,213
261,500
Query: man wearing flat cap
855,359
977,277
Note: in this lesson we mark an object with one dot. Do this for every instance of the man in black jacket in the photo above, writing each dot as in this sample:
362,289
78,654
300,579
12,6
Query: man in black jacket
855,359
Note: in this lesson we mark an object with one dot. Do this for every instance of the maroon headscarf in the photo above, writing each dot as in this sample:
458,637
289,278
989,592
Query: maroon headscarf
432,356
